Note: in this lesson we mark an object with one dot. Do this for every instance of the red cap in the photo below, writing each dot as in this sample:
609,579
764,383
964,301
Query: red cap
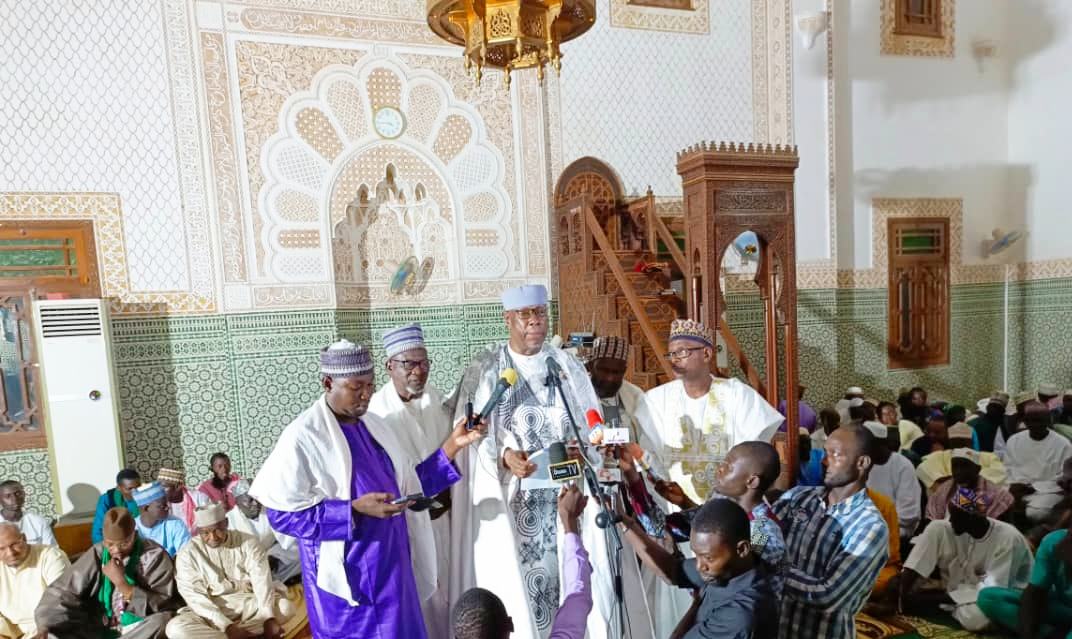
594,418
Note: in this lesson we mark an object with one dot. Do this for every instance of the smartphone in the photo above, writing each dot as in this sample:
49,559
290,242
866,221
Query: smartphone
408,498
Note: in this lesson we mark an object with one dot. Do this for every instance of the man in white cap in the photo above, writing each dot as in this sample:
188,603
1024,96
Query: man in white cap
700,417
414,410
336,481
508,503
155,520
893,475
223,576
248,517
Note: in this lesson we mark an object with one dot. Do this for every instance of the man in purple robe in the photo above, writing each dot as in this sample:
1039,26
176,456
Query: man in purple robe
332,481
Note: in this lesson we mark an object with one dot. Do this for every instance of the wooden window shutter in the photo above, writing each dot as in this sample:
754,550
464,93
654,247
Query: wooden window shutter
918,292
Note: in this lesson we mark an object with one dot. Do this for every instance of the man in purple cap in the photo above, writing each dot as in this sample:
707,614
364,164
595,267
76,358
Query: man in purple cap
504,536
336,481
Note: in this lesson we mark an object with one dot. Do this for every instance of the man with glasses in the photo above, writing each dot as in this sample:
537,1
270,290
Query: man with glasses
504,535
337,481
414,410
700,417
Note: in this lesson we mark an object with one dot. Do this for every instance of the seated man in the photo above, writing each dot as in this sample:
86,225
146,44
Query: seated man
155,521
738,595
894,476
966,465
478,613
248,517
124,585
219,486
25,571
1034,459
224,577
121,496
182,500
970,551
37,529
1044,609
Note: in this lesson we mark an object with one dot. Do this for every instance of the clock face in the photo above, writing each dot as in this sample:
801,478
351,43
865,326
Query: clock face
389,122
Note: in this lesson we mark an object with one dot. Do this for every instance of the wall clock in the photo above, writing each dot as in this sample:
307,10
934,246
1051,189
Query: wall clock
389,122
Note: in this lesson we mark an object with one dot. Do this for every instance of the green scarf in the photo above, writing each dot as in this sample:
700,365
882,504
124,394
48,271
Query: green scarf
119,502
108,588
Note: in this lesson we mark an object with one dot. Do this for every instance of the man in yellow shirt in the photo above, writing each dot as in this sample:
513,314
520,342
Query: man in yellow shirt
25,571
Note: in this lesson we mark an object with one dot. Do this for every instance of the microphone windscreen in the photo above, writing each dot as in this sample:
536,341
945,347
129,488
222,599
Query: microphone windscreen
593,417
509,376
556,453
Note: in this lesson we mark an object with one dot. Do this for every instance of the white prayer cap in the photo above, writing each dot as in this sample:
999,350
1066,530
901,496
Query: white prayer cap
209,515
967,453
878,429
526,296
854,390
1050,390
399,340
240,488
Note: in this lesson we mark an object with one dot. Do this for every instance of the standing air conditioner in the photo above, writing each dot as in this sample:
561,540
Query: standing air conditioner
74,347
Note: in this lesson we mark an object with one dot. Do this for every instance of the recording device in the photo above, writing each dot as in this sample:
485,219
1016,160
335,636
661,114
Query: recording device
595,427
582,340
420,502
560,467
507,379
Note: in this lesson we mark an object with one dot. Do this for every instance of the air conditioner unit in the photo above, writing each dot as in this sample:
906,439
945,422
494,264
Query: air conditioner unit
74,349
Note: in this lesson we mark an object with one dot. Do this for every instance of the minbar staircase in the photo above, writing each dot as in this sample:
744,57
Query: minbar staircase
616,266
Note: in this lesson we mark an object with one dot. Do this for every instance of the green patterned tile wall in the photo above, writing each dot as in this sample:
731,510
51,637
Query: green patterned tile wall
190,386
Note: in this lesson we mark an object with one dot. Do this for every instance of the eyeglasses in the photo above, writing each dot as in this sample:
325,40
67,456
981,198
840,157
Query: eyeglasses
525,314
410,364
682,353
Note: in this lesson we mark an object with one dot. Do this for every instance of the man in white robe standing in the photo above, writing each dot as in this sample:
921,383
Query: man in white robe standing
700,417
415,411
504,536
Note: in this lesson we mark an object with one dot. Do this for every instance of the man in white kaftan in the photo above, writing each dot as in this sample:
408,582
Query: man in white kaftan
971,552
504,536
248,517
700,417
223,576
414,409
1034,459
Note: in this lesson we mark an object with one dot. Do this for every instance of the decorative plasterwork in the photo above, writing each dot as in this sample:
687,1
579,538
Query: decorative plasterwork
624,13
105,212
772,77
303,23
328,157
894,44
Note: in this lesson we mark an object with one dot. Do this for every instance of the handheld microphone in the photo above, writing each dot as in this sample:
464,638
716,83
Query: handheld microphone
595,427
507,379
560,467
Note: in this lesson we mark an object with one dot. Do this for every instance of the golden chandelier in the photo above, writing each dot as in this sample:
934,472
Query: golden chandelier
510,34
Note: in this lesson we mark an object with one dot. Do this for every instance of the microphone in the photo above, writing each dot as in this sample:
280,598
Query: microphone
595,427
560,467
507,379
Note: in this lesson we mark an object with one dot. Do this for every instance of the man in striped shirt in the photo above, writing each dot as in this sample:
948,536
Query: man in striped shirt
836,543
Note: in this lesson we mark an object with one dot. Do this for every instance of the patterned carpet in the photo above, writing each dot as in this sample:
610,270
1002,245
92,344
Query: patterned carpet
906,627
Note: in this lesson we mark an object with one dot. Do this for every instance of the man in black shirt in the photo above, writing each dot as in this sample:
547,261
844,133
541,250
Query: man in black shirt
736,597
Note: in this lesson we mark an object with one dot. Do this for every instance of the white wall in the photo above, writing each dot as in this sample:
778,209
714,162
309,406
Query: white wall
1039,124
923,127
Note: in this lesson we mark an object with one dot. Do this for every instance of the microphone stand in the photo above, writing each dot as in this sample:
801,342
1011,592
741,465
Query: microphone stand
605,519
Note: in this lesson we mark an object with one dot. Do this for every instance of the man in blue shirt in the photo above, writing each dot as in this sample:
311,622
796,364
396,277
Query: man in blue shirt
836,543
122,495
155,520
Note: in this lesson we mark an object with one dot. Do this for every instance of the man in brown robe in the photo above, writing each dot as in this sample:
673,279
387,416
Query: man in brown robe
124,585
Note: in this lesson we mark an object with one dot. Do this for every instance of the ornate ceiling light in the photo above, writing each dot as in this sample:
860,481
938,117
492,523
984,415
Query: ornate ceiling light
510,34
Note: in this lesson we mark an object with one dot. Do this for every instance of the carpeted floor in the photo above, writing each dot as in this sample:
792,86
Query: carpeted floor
905,627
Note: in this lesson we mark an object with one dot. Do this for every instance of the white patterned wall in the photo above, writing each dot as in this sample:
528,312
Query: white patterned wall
634,98
88,106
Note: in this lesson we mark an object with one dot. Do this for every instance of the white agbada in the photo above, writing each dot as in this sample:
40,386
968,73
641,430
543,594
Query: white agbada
663,604
897,480
425,423
967,565
1039,464
697,433
484,538
311,463
37,529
